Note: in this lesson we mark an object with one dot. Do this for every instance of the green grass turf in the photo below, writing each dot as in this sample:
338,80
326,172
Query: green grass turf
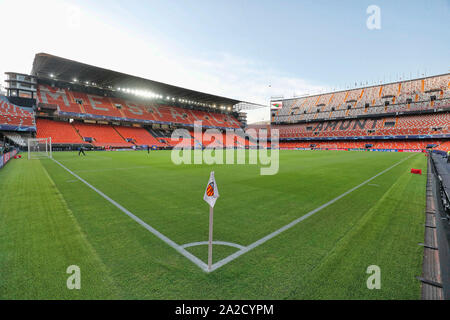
50,220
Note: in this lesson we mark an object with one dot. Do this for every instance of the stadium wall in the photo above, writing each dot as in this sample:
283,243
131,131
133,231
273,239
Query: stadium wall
4,159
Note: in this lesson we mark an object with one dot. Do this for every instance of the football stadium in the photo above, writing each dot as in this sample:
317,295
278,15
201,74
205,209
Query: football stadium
115,186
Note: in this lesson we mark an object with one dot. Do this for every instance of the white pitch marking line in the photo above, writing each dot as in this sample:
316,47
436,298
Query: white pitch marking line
171,243
293,223
113,169
221,243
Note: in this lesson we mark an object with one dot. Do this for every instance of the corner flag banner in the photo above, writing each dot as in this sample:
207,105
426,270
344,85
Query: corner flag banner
211,192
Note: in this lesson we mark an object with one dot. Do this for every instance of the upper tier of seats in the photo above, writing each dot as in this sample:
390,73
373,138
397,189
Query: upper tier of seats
82,103
15,116
412,95
429,124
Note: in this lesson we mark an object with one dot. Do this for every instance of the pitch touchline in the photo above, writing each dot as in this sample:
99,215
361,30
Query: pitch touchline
171,243
296,221
237,254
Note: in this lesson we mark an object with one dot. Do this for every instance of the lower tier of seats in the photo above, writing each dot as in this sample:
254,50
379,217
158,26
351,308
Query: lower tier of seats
100,135
369,144
60,132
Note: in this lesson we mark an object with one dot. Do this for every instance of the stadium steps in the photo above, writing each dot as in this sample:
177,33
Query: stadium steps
159,137
347,112
78,132
122,113
140,135
72,99
124,139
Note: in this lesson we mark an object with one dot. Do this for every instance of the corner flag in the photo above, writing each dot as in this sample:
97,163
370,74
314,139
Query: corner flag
211,195
211,192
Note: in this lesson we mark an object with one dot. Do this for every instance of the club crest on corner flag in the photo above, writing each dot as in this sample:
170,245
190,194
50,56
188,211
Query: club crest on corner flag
211,192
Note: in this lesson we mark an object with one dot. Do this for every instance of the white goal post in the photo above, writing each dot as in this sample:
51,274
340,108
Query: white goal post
39,148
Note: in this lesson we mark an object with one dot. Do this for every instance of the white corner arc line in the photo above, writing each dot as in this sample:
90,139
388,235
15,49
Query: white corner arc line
296,221
171,243
220,243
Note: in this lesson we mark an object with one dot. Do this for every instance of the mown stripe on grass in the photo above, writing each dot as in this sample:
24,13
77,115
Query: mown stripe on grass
386,235
39,239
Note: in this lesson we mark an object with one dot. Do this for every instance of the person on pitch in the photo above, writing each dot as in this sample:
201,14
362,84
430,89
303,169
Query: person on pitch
81,151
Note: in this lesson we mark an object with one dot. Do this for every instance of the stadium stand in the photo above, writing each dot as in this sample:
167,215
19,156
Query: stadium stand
101,135
406,115
60,132
72,103
444,146
18,138
138,136
13,117
429,124
377,145
413,95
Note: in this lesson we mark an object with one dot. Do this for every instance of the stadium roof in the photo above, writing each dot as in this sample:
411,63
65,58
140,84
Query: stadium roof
52,67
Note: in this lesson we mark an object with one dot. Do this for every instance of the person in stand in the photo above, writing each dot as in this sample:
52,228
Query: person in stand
81,151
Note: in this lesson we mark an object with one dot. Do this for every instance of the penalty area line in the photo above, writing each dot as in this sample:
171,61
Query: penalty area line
257,243
155,232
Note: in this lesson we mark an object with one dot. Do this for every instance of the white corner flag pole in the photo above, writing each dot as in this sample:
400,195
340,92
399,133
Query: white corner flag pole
211,195
211,222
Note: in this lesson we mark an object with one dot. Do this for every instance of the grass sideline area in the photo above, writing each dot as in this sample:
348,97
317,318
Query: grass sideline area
49,220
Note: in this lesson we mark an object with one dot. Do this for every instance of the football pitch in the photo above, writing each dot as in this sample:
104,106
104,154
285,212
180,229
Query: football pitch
136,225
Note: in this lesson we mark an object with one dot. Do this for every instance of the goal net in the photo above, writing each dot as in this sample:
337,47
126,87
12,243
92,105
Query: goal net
39,148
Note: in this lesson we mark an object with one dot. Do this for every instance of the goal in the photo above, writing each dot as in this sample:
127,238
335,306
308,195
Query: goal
39,148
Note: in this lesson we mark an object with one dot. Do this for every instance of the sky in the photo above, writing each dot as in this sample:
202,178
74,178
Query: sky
250,50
